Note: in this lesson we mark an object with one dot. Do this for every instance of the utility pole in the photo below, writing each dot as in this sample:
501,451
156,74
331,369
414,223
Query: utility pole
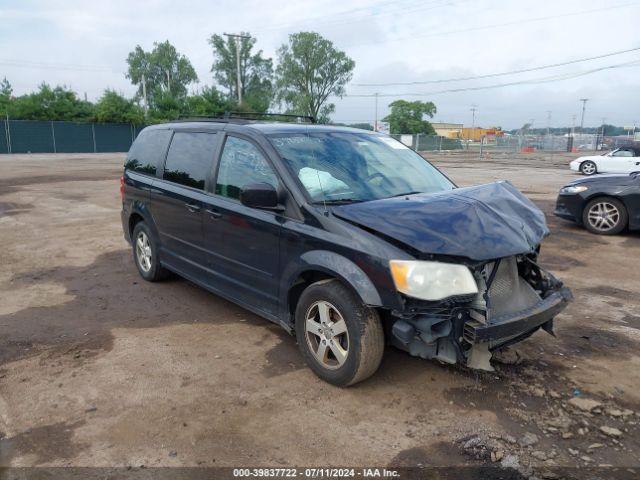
584,107
238,38
375,123
549,139
548,122
474,109
144,95
601,141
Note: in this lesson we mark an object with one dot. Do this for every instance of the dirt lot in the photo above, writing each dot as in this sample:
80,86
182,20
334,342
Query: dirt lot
99,368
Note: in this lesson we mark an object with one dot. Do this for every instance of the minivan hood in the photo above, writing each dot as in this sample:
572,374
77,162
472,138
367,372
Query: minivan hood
481,223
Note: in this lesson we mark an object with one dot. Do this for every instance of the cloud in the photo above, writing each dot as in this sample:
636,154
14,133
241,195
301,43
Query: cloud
402,40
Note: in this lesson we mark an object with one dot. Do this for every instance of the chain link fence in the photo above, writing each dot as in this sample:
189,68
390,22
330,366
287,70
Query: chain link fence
31,136
504,144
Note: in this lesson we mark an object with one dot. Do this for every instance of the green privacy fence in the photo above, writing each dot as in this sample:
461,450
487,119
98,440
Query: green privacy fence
31,136
423,142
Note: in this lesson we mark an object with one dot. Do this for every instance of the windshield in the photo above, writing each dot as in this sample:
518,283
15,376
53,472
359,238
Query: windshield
356,167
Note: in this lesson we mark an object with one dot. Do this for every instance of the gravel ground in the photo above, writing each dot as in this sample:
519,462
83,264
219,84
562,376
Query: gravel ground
99,368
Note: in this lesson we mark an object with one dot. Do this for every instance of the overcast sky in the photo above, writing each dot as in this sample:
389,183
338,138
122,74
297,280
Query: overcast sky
84,44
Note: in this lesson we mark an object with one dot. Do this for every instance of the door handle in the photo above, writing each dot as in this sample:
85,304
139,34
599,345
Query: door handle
213,213
192,207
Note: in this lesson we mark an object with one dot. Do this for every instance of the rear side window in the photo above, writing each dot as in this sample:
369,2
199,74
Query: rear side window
147,152
241,164
189,159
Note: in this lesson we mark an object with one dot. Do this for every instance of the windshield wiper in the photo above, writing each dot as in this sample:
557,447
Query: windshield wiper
403,194
338,201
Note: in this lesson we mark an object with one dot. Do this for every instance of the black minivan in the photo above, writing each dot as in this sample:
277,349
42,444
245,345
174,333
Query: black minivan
346,237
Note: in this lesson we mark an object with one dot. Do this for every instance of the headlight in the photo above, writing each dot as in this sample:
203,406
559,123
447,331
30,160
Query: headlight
574,189
432,280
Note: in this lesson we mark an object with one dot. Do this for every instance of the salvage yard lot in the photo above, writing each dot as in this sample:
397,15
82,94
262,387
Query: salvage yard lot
99,368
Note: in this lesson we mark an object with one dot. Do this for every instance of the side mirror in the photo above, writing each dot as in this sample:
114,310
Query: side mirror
260,195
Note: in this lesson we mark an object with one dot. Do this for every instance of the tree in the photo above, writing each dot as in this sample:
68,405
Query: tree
408,117
5,96
113,107
256,72
59,103
209,102
362,126
310,69
163,69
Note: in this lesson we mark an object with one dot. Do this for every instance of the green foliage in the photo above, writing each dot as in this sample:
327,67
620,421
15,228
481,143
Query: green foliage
114,108
59,103
408,117
165,71
310,69
209,102
256,72
5,96
362,126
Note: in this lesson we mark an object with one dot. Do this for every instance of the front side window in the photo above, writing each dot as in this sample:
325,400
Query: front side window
190,158
147,152
623,153
242,163
356,167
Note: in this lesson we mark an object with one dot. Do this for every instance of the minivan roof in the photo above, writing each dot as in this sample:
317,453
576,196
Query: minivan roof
264,127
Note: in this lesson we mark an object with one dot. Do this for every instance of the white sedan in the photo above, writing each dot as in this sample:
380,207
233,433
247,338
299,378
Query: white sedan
620,160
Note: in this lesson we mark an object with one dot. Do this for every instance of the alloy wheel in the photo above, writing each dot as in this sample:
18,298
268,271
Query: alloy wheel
603,216
588,168
143,251
326,335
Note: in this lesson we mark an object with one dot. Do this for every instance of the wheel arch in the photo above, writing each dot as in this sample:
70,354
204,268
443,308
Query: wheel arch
139,213
321,265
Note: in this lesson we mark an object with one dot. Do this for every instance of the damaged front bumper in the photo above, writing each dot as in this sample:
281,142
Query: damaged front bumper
516,299
515,325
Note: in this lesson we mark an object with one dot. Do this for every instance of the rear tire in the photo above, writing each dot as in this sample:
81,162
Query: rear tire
605,216
588,168
340,338
145,254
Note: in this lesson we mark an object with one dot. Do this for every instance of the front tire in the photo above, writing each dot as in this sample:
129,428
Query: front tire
605,216
145,254
588,168
340,338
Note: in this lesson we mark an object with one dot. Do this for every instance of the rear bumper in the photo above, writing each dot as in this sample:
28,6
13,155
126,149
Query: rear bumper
526,321
124,217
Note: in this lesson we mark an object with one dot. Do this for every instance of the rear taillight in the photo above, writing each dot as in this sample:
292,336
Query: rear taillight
122,188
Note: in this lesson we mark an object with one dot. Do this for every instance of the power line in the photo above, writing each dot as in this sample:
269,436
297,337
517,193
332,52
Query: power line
58,66
401,10
498,25
490,75
553,78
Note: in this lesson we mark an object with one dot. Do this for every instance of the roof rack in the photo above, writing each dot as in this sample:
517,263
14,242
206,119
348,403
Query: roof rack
258,115
246,117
